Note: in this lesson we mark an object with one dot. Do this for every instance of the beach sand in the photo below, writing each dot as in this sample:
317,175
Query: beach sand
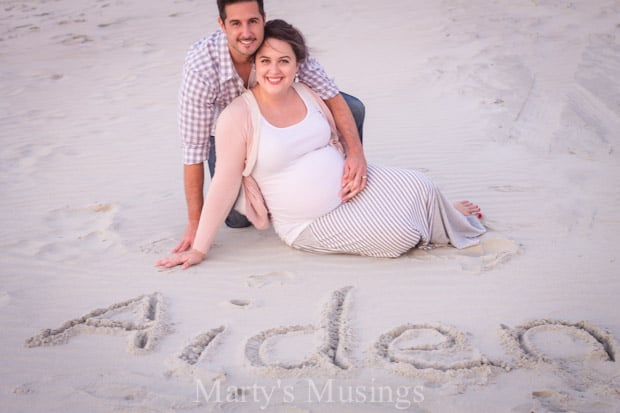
514,105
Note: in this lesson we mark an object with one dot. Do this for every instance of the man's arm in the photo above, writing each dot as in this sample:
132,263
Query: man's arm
193,176
196,116
355,168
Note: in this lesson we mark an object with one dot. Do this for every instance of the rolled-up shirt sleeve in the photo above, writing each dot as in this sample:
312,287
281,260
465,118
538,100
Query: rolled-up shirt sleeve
196,116
312,74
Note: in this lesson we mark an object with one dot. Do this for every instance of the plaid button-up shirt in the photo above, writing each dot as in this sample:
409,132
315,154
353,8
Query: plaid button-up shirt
210,83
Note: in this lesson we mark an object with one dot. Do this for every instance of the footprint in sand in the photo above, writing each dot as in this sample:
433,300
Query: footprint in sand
489,254
158,247
494,252
24,389
126,391
566,401
511,188
238,303
71,39
112,23
277,277
119,392
76,231
590,115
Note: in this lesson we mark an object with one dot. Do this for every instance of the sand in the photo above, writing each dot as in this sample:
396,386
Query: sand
514,105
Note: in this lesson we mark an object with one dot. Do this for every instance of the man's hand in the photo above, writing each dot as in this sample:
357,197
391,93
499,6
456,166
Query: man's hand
188,238
355,168
354,177
185,259
193,180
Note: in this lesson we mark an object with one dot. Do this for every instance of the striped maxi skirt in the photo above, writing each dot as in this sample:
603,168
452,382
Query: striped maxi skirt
398,210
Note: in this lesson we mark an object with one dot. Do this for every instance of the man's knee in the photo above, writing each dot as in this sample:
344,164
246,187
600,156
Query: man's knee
211,160
236,219
357,107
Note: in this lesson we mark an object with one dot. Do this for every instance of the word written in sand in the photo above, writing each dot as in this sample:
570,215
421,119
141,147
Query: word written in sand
426,349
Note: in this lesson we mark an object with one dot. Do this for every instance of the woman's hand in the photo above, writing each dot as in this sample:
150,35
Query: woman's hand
186,259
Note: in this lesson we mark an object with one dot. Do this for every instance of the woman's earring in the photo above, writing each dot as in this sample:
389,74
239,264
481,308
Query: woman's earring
296,76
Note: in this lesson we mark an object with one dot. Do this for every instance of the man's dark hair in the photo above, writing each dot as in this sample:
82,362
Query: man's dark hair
281,30
221,6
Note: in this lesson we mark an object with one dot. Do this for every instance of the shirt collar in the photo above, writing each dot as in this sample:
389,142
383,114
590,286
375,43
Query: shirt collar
227,68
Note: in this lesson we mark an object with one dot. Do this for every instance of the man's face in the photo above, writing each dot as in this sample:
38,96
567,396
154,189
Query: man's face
244,28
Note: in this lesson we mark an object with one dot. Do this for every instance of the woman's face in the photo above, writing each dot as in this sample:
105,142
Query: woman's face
244,28
276,66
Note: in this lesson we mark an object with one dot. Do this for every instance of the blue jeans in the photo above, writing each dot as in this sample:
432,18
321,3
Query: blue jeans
238,220
234,219
358,110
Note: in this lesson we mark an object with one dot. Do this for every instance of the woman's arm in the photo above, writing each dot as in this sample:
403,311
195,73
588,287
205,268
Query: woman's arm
230,145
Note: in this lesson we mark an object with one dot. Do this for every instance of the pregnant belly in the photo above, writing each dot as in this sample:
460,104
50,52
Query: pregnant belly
306,189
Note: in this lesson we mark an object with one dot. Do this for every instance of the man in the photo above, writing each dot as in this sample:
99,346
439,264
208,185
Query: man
219,68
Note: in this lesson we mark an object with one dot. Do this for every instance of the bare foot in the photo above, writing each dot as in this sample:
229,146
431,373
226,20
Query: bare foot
467,208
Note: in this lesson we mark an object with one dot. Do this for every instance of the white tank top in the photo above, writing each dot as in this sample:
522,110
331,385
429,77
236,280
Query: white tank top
298,172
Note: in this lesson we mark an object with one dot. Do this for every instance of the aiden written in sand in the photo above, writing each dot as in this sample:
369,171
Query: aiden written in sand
283,151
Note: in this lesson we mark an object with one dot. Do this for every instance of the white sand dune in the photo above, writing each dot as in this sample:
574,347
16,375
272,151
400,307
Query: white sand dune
515,105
